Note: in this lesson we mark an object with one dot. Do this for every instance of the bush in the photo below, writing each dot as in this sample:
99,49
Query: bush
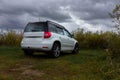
98,40
93,40
114,48
107,40
1,39
11,39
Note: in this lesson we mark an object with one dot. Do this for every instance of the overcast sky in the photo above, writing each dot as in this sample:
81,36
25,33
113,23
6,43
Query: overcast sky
90,15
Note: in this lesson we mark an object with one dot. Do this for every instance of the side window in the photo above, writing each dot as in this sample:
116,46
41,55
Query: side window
60,31
67,33
52,28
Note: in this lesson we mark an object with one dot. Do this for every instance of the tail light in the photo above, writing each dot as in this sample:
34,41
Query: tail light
47,34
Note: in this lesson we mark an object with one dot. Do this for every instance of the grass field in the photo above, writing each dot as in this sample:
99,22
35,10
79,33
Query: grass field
86,65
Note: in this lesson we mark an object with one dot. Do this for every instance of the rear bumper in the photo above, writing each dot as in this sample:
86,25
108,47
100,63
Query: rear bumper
38,47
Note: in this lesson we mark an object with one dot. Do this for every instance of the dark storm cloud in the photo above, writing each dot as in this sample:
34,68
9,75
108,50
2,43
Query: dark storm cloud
94,12
93,9
16,14
12,10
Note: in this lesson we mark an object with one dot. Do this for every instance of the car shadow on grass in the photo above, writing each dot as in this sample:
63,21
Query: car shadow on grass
48,56
39,56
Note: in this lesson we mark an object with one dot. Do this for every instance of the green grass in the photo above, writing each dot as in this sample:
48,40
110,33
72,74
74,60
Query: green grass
86,65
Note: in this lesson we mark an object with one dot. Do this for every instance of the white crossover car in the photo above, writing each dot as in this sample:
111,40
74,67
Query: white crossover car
49,37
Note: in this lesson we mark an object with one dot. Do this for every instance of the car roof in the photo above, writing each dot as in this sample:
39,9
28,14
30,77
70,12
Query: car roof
54,23
35,22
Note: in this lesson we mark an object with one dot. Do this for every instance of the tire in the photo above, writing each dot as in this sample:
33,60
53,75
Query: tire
76,49
28,52
56,50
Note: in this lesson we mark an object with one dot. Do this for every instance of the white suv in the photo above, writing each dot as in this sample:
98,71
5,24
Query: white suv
47,36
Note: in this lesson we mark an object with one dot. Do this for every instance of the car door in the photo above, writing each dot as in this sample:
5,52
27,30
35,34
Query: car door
60,33
69,40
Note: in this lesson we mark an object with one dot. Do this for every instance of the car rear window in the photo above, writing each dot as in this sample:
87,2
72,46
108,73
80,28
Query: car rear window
35,27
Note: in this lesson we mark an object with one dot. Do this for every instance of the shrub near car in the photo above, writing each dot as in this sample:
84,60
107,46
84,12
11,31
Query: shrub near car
48,37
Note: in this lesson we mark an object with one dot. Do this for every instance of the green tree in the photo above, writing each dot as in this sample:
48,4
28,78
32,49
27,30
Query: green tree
114,44
116,17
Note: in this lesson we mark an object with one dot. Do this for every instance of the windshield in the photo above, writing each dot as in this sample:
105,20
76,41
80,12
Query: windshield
35,27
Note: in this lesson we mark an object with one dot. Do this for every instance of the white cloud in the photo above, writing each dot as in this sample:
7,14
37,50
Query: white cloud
84,25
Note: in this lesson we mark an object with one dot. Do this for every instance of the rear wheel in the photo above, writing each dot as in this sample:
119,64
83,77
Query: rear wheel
56,50
76,48
28,52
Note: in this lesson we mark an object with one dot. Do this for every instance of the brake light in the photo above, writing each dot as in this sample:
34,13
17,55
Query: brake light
47,34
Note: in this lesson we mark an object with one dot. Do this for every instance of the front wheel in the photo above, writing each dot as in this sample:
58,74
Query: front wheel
76,49
56,50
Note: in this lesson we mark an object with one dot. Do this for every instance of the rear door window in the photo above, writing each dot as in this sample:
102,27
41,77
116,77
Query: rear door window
52,28
55,29
60,31
35,27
